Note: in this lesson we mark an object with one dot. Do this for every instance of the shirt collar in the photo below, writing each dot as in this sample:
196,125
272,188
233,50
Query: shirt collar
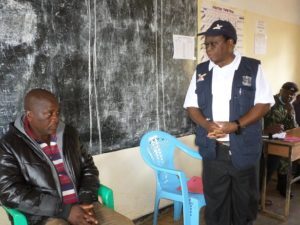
234,64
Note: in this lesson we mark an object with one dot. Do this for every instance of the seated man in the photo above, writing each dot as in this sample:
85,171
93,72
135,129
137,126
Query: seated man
281,117
46,173
296,105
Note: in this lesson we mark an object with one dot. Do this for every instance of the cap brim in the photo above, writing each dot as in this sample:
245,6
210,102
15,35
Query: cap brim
203,33
211,33
292,89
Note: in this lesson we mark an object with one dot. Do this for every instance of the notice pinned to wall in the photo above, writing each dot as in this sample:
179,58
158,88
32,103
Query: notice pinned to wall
211,12
260,39
184,47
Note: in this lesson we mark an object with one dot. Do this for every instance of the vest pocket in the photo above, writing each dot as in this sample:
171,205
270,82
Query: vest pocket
245,99
251,139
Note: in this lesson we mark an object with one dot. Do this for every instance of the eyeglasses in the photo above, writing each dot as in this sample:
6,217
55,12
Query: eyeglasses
212,44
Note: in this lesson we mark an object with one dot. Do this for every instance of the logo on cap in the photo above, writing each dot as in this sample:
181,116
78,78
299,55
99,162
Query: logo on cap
218,27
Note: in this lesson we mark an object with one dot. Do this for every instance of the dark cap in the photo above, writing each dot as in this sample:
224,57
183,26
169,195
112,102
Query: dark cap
221,27
290,86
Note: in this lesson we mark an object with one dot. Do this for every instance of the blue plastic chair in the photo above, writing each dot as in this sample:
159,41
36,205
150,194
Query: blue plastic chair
157,149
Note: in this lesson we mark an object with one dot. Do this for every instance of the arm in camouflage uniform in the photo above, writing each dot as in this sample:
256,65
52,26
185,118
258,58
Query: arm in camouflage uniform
281,117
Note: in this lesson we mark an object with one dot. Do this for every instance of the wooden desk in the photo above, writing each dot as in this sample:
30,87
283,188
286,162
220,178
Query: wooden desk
290,150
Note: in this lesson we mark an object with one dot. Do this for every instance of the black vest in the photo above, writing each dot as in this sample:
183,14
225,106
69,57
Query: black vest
245,147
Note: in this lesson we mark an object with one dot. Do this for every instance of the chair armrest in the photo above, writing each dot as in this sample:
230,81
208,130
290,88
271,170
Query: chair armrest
191,152
107,196
103,191
18,217
167,170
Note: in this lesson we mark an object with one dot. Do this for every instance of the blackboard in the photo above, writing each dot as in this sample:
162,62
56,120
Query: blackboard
109,62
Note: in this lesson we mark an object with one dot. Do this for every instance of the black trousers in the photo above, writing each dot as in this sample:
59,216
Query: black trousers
231,194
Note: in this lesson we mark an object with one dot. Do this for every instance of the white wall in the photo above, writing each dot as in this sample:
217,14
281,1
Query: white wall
132,180
284,10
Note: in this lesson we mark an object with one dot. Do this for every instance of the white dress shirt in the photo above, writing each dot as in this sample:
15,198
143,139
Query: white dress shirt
222,78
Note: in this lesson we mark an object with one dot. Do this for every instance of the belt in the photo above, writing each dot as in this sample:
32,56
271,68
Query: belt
223,150
227,143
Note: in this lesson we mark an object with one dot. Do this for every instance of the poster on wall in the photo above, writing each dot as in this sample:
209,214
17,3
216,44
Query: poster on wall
211,12
260,38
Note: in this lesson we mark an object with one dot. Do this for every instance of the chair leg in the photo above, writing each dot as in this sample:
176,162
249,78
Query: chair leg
177,210
186,214
195,211
156,208
195,217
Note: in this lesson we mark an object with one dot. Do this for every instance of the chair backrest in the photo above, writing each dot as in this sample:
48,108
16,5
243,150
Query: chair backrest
157,149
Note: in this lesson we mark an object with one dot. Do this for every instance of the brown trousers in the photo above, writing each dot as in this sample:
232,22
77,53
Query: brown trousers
104,215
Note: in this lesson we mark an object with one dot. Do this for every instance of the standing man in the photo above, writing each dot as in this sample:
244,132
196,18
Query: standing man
46,173
280,118
227,98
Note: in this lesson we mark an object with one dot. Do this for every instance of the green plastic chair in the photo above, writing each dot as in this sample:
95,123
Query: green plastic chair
104,192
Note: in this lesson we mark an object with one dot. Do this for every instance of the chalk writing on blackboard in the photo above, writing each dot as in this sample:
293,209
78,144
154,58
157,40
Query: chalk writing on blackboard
109,62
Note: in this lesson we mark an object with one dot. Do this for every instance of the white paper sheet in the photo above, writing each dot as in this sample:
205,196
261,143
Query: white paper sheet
184,47
260,45
279,135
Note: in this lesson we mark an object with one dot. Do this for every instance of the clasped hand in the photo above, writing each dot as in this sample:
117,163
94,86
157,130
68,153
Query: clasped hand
82,215
219,129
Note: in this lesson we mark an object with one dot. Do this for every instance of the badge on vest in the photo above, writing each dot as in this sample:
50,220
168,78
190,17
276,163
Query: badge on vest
247,80
201,77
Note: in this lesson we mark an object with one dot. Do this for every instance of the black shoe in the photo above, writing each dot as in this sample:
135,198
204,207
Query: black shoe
281,185
268,202
283,194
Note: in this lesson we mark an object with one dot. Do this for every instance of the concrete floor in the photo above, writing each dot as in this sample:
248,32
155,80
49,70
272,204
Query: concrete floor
165,217
278,206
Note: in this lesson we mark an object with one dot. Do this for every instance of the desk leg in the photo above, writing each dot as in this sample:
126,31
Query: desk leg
264,188
288,185
264,183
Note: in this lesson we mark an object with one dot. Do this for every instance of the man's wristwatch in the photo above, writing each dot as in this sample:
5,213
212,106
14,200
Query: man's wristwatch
239,130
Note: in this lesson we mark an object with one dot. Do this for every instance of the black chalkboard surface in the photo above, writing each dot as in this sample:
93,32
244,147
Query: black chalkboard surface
109,62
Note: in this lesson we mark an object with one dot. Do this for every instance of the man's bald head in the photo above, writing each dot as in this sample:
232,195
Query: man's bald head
35,96
42,113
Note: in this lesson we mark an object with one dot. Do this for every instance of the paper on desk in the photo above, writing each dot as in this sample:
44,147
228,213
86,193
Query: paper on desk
279,135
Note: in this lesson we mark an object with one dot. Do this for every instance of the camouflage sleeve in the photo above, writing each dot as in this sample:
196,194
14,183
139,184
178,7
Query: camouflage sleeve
279,115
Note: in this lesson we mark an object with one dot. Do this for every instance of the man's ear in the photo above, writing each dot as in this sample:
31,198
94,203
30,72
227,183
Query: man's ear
231,44
29,115
231,41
